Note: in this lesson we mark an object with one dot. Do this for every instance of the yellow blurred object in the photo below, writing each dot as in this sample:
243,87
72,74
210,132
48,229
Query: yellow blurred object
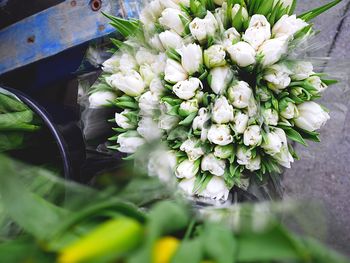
114,237
164,249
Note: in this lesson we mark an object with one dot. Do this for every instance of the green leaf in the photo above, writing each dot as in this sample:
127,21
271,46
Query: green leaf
317,11
294,136
11,104
189,251
188,120
125,27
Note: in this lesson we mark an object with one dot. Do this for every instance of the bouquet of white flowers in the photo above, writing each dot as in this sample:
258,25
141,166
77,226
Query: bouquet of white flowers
212,79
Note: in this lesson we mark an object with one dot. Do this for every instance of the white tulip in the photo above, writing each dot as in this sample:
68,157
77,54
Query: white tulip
311,116
145,56
244,155
187,185
219,2
284,158
148,103
200,121
156,86
216,189
317,83
252,107
222,111
272,50
131,83
242,54
168,122
171,19
213,165
162,164
193,151
240,94
156,43
290,112
174,72
274,142
186,89
258,31
111,65
215,56
252,136
127,62
158,66
122,121
128,143
188,107
148,129
230,37
169,4
223,152
240,122
302,70
170,39
277,77
287,26
220,134
270,116
146,73
191,58
187,169
220,78
101,98
254,164
201,29
151,12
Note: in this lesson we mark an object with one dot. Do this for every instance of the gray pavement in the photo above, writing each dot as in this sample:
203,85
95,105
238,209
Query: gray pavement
323,173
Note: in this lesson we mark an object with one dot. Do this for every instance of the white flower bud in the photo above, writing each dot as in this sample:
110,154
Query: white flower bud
272,50
252,107
147,73
129,144
145,56
244,155
201,29
311,116
287,26
277,77
254,164
158,66
127,62
111,65
187,185
122,121
148,129
219,2
222,111
171,19
223,152
252,136
290,111
191,58
201,119
100,99
258,31
270,116
168,122
187,107
193,151
317,83
215,56
240,122
213,165
242,54
169,4
274,142
220,78
302,70
156,43
174,72
156,86
131,83
216,189
162,164
231,36
148,103
187,169
240,94
220,134
170,39
186,89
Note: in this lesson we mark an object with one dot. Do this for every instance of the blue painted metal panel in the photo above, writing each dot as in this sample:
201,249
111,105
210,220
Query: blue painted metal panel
58,28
